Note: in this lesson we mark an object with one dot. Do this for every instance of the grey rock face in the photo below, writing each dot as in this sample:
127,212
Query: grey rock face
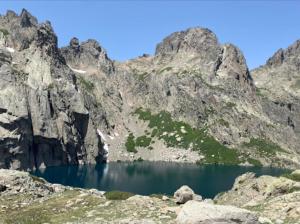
44,120
194,40
190,75
88,55
184,194
278,84
271,194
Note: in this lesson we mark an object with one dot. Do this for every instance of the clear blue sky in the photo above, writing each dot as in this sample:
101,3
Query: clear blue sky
127,29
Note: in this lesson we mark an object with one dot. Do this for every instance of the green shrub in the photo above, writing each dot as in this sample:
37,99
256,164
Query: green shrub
87,85
223,122
37,179
143,141
160,196
254,162
117,195
230,105
4,31
291,176
165,69
139,160
130,144
264,147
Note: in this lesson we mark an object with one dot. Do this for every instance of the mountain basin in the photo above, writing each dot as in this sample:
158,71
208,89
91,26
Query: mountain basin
148,178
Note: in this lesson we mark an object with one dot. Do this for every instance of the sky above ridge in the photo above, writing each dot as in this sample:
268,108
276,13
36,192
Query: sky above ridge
127,29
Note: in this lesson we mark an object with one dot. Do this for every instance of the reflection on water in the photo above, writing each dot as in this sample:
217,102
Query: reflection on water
151,177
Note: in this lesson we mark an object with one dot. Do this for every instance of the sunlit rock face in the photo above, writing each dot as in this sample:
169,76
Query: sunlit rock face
44,120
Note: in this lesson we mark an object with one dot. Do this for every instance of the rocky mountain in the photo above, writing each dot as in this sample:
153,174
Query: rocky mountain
194,100
44,119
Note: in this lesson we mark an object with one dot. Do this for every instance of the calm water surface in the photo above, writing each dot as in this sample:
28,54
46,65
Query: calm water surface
151,177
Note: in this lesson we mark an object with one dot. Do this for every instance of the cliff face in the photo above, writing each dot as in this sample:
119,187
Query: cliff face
44,120
194,100
278,86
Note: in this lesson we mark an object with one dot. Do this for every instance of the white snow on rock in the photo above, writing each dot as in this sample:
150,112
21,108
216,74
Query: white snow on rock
101,135
11,50
106,148
77,70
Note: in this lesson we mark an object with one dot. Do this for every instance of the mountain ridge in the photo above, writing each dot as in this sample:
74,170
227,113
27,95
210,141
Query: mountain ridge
86,105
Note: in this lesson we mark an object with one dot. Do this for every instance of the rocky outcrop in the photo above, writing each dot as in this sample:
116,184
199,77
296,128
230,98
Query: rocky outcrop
87,56
23,197
44,120
194,212
276,198
184,194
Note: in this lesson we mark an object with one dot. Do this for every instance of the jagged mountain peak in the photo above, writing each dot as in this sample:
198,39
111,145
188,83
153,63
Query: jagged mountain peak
27,19
24,19
191,40
279,78
87,55
289,55
24,31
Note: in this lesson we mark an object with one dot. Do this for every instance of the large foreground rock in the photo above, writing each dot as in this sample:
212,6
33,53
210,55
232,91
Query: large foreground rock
194,212
184,194
277,198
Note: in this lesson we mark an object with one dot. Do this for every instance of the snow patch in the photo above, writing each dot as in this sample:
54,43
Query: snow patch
11,50
106,149
101,135
111,137
77,70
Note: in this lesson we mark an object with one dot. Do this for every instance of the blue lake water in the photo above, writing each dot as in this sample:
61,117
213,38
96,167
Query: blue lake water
151,177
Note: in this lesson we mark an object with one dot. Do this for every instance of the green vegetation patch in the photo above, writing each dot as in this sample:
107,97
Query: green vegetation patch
130,144
37,179
4,31
295,177
61,209
254,162
166,69
264,147
159,196
117,195
141,76
223,122
181,135
87,85
143,141
230,104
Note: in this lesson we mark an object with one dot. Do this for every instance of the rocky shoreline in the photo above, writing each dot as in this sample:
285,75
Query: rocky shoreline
28,199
